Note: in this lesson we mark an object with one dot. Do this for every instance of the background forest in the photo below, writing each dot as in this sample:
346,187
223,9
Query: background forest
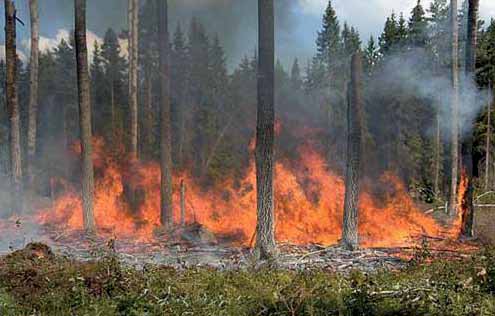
213,107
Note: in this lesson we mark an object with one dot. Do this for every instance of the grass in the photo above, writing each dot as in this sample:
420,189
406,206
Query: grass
36,282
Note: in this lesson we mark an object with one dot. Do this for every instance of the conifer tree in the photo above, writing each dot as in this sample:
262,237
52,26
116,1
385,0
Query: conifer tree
467,145
265,132
84,116
166,211
33,90
454,132
417,27
13,108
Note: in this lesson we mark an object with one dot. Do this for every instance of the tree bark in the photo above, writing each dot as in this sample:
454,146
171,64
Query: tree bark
454,143
84,116
265,132
33,90
165,117
13,108
350,238
467,147
133,74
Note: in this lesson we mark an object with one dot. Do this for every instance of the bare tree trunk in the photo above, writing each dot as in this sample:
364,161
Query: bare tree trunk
454,146
488,139
13,108
266,247
84,115
438,145
182,203
133,74
33,90
467,148
165,117
350,239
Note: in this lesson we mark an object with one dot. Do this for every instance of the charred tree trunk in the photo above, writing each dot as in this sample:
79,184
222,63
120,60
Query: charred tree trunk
265,132
166,215
467,146
133,74
13,108
350,238
84,115
33,90
454,142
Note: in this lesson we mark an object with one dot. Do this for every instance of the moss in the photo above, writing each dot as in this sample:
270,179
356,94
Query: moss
58,286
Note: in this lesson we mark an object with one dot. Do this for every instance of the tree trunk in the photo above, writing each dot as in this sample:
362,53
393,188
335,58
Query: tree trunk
438,145
488,139
265,132
354,126
84,115
454,143
33,90
166,217
467,147
13,108
133,74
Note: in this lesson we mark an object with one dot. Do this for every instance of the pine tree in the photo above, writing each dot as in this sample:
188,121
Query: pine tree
84,115
13,108
467,145
33,96
133,23
265,132
166,211
454,143
354,121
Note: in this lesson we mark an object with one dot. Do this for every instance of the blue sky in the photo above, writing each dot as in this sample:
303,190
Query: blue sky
234,20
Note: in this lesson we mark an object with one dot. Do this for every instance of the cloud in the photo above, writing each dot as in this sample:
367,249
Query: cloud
50,43
369,16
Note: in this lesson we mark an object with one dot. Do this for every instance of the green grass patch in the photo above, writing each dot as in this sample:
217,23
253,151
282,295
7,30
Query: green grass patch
34,284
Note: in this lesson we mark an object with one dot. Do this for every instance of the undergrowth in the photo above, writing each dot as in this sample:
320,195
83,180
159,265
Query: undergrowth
44,284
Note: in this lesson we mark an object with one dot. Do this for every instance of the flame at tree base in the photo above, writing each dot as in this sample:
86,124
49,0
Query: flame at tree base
308,205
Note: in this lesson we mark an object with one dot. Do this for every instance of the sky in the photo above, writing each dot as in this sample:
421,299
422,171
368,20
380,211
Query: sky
235,21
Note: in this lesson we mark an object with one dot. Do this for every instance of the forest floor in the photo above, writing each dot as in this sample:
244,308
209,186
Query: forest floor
37,281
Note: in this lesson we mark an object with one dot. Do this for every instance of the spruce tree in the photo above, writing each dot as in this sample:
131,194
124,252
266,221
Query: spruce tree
329,41
418,27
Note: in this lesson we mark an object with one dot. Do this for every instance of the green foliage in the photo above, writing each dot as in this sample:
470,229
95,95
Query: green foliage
52,285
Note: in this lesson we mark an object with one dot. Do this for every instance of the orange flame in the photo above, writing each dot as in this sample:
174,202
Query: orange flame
308,205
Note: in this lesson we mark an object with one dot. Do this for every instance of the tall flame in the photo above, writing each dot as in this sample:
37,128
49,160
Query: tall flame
308,204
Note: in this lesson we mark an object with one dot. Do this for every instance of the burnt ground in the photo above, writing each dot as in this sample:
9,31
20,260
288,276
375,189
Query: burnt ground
193,246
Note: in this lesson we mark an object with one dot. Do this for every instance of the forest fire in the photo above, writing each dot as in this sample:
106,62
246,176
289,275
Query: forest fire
308,204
